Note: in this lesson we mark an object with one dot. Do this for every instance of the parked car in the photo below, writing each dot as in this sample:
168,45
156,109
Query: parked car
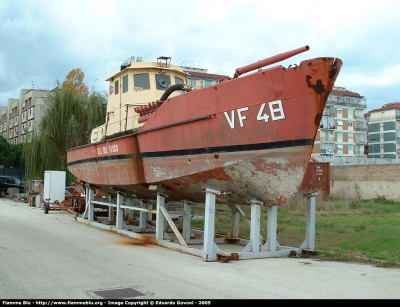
7,182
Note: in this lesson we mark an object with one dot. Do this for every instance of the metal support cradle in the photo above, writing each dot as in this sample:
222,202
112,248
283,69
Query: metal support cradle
158,226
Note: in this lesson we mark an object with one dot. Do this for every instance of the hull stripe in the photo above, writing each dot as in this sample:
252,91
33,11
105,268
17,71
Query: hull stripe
200,151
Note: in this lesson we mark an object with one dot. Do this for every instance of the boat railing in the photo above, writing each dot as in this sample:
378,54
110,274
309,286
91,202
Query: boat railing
110,125
128,123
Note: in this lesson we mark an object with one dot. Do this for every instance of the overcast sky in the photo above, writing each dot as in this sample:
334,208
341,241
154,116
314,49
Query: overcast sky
42,40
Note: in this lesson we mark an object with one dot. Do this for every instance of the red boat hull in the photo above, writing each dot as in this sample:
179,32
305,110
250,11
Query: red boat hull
250,137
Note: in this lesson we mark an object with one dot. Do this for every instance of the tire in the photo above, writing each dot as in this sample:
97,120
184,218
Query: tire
3,193
46,208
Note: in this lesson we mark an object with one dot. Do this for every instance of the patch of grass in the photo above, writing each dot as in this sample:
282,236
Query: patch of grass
348,230
365,230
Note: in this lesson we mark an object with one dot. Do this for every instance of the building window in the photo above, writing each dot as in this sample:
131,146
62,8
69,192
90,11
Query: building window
340,135
340,123
125,84
141,81
178,80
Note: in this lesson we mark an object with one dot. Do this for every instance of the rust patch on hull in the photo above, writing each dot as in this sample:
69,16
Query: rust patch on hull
318,87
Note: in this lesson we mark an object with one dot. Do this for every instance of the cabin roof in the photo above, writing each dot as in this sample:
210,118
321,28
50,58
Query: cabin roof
144,65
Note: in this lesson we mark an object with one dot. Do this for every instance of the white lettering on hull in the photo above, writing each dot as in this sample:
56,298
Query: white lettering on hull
275,110
105,150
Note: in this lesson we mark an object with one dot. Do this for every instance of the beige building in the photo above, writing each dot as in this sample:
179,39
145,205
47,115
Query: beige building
343,127
20,117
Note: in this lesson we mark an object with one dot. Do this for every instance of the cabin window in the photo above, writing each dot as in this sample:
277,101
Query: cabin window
141,81
178,80
116,87
125,84
163,82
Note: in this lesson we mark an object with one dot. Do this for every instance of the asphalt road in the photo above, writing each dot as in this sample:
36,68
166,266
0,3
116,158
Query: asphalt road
52,256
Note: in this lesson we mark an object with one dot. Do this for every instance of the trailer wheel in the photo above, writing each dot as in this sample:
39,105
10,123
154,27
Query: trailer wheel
3,193
46,208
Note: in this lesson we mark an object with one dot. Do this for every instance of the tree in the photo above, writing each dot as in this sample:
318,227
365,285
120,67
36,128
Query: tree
67,121
74,82
4,152
16,155
10,156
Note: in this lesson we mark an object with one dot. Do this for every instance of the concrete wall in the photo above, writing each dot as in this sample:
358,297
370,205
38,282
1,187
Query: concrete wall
365,181
361,160
363,178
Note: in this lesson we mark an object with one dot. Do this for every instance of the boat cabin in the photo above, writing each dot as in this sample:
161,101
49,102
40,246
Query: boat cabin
134,89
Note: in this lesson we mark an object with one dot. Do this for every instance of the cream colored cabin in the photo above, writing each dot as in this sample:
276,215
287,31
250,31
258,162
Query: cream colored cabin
137,84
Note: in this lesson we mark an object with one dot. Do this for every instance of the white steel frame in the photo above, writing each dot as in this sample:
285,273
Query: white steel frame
208,247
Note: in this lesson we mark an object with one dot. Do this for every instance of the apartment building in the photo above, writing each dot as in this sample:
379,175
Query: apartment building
19,119
343,127
9,121
384,131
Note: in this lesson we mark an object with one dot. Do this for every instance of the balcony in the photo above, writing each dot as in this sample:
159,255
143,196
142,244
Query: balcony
326,152
384,118
326,127
328,114
361,129
327,140
361,142
347,104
